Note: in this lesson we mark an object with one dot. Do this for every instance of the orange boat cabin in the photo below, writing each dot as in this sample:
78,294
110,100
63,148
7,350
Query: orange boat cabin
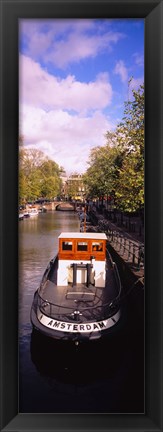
82,259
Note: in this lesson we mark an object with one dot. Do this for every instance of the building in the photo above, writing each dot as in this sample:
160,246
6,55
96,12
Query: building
75,188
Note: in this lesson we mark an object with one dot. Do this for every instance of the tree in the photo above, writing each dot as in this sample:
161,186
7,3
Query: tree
117,168
23,187
38,175
101,175
50,187
130,185
129,138
34,184
30,159
129,134
21,140
50,182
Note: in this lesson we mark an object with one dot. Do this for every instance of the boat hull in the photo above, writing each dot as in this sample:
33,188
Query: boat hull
79,295
73,330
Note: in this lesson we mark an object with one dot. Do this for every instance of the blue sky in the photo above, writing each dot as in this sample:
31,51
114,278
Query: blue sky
73,82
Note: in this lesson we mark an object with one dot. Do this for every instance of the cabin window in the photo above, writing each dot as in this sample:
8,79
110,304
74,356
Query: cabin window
97,246
67,245
82,246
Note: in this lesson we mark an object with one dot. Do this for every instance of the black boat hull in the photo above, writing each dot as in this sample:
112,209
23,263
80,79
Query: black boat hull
80,294
93,330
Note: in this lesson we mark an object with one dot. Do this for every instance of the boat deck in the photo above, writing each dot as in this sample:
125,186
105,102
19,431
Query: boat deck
88,301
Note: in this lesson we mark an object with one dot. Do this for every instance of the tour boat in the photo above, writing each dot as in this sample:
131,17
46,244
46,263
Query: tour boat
80,293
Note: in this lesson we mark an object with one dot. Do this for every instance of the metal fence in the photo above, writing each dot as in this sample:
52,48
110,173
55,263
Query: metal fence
127,248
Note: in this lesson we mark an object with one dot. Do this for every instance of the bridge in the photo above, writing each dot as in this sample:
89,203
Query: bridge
55,205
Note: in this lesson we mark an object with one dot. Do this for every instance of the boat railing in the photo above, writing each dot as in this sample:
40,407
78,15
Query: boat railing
57,311
47,271
118,280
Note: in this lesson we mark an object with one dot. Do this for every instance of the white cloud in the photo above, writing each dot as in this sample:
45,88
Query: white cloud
40,89
139,59
65,138
65,117
62,117
80,46
62,42
121,70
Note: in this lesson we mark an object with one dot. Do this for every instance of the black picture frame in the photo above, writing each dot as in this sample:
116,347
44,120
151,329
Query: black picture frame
152,12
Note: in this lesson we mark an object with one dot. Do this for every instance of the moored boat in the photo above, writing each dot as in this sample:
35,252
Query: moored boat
42,209
33,212
21,216
79,295
26,214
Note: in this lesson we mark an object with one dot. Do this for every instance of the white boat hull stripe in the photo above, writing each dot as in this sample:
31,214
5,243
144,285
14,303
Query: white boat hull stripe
77,327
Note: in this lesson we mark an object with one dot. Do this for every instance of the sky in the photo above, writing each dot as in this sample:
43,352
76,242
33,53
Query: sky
73,83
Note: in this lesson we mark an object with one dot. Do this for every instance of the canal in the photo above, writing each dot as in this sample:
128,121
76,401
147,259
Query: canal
100,377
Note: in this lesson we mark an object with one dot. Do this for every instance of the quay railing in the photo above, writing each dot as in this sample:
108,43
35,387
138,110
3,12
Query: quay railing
127,248
132,251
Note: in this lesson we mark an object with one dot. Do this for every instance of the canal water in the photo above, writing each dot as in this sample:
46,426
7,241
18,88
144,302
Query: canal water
55,377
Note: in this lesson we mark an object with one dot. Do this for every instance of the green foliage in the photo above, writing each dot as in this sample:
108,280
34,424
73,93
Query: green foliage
130,183
103,171
130,186
117,168
38,176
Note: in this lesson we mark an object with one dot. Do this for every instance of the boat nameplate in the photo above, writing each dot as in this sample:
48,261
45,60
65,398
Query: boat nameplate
74,327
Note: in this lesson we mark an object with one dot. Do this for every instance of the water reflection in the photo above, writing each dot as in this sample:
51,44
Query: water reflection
38,243
78,364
